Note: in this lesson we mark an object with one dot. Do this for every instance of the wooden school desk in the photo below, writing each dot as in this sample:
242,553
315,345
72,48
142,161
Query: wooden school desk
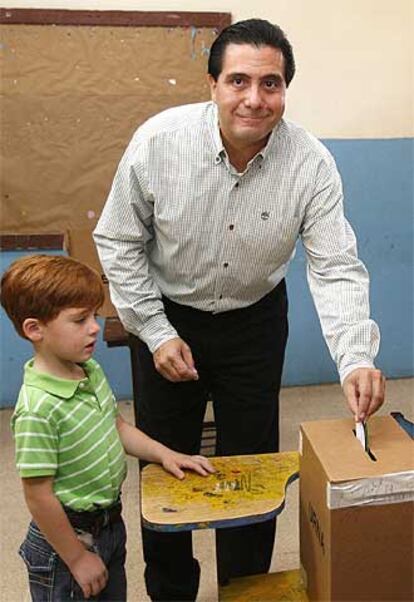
244,490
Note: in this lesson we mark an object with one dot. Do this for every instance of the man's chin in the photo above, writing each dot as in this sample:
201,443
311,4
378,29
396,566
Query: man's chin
250,135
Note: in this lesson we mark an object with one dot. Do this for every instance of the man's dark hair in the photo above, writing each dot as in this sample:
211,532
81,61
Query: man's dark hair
256,32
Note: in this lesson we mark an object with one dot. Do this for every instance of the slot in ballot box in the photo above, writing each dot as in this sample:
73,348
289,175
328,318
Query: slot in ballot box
356,511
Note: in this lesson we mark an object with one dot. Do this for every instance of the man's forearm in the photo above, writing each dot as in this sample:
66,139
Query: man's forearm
337,278
133,290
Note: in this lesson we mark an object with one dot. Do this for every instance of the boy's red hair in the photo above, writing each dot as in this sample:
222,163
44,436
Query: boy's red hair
41,286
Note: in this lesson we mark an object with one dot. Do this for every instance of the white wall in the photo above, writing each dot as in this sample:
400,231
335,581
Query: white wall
355,58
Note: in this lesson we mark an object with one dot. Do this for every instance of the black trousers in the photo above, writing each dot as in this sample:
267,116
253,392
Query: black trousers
239,357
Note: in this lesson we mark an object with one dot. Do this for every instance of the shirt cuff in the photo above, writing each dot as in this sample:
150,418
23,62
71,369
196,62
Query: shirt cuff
28,473
351,367
156,331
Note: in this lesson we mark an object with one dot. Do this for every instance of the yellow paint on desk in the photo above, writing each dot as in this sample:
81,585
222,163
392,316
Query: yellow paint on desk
243,486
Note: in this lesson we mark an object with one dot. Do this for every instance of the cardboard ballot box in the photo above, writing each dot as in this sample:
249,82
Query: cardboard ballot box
356,512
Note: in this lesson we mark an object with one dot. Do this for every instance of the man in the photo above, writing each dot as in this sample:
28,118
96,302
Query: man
196,236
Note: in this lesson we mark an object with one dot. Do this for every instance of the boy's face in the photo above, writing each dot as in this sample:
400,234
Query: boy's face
71,336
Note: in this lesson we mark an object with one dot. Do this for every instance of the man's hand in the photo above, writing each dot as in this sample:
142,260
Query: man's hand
173,462
90,573
364,389
174,361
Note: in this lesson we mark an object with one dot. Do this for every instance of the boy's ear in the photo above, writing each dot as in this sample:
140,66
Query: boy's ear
32,329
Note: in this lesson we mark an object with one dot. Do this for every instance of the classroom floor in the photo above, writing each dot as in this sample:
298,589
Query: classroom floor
298,404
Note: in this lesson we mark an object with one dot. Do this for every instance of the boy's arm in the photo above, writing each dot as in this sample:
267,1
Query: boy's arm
47,512
138,444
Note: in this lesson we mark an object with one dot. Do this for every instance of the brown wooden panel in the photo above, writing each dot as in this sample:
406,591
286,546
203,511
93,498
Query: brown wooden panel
25,242
114,334
113,18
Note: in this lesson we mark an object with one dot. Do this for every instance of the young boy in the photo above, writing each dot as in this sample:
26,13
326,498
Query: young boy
70,439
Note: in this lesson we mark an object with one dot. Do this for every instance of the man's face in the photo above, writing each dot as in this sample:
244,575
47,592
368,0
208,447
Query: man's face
249,93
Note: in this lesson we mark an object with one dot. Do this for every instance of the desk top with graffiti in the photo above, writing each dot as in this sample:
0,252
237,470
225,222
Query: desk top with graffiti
243,490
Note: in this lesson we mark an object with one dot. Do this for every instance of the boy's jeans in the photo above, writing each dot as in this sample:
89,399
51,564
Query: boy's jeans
50,579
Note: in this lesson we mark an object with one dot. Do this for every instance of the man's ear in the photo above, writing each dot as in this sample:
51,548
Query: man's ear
213,84
32,329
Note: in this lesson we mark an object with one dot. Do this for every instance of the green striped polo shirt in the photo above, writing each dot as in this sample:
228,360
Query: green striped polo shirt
67,429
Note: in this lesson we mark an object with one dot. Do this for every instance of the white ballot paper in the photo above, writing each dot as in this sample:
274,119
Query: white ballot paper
361,434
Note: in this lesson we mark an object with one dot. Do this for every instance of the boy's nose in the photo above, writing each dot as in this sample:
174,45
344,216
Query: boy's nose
95,328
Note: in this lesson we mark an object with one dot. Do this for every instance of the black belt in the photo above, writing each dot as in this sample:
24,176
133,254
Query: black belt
268,300
93,522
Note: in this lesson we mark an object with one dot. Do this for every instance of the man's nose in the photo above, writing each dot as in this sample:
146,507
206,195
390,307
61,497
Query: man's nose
253,97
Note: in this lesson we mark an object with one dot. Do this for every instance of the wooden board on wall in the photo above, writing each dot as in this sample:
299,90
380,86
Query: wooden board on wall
72,96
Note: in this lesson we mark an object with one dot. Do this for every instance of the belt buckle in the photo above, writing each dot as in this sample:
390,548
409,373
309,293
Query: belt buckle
99,524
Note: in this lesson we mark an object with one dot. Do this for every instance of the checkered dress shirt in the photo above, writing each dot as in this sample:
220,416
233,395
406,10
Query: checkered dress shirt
180,221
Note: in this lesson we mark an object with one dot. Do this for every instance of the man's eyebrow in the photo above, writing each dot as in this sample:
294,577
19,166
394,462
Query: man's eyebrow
236,74
273,76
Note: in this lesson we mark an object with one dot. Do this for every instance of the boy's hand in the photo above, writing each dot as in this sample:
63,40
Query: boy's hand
173,462
138,444
87,568
90,573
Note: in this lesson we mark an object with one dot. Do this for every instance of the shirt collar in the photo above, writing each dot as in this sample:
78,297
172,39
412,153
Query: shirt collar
218,146
220,151
271,143
59,387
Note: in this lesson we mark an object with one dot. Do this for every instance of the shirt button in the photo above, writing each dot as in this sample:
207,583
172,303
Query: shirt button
236,185
221,296
226,265
231,227
82,385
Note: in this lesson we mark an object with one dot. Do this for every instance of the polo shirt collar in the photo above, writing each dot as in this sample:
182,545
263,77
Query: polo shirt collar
59,387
